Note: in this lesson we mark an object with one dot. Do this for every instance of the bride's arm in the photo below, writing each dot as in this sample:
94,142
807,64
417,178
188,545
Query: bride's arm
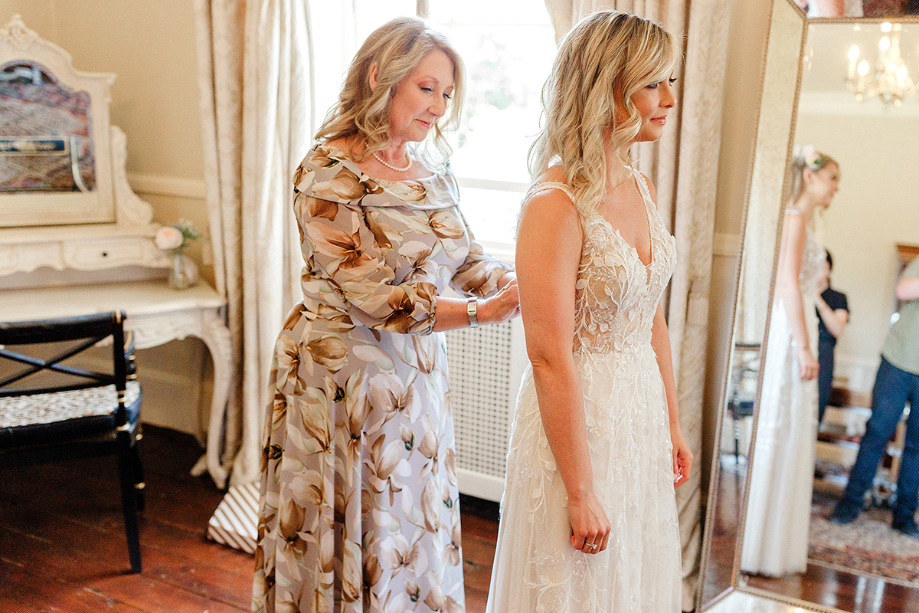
547,258
660,341
682,455
787,288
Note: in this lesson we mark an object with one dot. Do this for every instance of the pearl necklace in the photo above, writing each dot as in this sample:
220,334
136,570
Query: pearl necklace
388,165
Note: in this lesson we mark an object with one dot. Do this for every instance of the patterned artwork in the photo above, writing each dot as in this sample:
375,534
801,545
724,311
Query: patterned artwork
45,132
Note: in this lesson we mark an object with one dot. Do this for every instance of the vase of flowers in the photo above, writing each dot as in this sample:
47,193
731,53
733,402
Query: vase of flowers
174,240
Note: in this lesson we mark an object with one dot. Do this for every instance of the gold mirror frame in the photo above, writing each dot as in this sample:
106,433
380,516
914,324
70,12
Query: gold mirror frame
779,88
762,174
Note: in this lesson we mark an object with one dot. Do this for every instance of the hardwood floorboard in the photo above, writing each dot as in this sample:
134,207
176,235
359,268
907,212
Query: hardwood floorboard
63,549
53,594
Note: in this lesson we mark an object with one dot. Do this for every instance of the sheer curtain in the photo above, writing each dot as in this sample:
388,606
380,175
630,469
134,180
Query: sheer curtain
257,117
684,168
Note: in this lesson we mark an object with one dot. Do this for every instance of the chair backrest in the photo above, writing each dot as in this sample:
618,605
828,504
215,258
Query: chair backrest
19,340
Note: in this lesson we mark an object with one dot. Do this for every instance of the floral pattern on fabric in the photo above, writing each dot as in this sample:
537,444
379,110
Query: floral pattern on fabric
359,507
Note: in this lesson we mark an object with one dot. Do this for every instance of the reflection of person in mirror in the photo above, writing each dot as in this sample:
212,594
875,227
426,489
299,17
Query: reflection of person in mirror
833,311
359,506
782,471
896,384
589,516
831,8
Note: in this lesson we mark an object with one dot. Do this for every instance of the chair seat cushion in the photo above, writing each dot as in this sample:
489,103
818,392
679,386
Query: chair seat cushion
46,418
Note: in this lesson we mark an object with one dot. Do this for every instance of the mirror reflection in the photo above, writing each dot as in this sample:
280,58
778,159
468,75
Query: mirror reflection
858,8
833,477
45,132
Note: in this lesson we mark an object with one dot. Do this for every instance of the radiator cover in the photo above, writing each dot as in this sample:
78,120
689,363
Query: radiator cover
485,368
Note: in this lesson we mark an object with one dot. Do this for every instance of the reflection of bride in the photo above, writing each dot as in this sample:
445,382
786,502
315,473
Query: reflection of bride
781,476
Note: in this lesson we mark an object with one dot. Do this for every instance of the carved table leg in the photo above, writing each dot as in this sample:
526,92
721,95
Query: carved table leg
216,337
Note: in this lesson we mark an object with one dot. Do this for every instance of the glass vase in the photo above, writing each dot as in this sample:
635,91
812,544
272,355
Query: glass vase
178,276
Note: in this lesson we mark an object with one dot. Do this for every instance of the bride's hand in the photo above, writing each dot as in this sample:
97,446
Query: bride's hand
682,458
809,366
589,526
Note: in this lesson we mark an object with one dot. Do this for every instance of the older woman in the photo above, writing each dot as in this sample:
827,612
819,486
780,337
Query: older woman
359,501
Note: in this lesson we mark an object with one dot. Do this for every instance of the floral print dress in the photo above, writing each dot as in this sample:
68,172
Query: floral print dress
359,507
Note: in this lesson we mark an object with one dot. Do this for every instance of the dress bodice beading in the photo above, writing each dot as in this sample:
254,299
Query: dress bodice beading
616,295
811,265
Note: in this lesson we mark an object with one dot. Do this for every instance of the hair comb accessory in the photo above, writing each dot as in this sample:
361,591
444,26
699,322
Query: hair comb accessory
811,158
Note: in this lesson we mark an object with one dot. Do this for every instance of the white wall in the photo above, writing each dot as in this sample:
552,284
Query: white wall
150,46
877,206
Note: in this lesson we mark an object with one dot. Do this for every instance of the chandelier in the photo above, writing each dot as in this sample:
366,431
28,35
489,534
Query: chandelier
890,80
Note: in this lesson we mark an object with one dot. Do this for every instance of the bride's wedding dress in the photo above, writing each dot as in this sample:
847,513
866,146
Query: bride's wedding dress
536,569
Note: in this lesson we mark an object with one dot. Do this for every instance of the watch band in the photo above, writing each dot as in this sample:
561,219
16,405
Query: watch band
472,306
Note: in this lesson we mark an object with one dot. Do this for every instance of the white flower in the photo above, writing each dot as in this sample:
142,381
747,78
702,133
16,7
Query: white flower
168,237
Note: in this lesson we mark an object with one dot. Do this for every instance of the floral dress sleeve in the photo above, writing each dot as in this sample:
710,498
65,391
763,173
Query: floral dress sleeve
479,273
346,263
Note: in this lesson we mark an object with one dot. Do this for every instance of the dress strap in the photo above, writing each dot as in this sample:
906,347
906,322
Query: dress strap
545,185
642,187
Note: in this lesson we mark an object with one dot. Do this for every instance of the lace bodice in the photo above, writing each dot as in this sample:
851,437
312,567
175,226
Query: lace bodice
811,262
616,295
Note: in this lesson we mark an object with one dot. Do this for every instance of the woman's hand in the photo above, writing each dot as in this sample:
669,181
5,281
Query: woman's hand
682,457
809,366
589,526
508,277
503,306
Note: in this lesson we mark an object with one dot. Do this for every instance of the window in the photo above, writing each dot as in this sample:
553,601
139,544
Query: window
508,47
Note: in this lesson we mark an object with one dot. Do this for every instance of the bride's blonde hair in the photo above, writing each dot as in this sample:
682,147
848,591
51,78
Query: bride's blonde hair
396,48
601,62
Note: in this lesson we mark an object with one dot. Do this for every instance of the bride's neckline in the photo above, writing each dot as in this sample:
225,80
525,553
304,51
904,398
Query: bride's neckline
594,213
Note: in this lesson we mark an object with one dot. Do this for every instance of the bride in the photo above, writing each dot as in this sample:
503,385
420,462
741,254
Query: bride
589,518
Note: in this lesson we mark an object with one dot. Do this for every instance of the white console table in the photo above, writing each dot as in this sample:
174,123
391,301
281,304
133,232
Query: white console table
156,314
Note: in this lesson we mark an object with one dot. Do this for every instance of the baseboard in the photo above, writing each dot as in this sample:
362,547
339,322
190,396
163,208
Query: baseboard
482,486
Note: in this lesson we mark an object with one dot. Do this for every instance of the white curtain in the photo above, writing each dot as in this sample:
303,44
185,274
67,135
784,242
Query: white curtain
256,113
683,167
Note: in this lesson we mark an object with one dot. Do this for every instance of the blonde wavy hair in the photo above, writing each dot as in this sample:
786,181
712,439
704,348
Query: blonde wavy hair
601,62
804,158
396,48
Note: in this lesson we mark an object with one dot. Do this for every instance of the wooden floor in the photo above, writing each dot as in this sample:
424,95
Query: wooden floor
824,586
62,543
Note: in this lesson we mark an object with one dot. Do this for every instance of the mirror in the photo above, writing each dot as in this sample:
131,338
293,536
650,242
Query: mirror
54,127
45,139
859,8
773,143
870,229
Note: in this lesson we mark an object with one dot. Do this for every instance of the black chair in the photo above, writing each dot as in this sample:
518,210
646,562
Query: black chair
66,412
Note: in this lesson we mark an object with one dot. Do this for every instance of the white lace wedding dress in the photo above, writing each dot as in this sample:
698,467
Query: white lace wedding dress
777,523
536,570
